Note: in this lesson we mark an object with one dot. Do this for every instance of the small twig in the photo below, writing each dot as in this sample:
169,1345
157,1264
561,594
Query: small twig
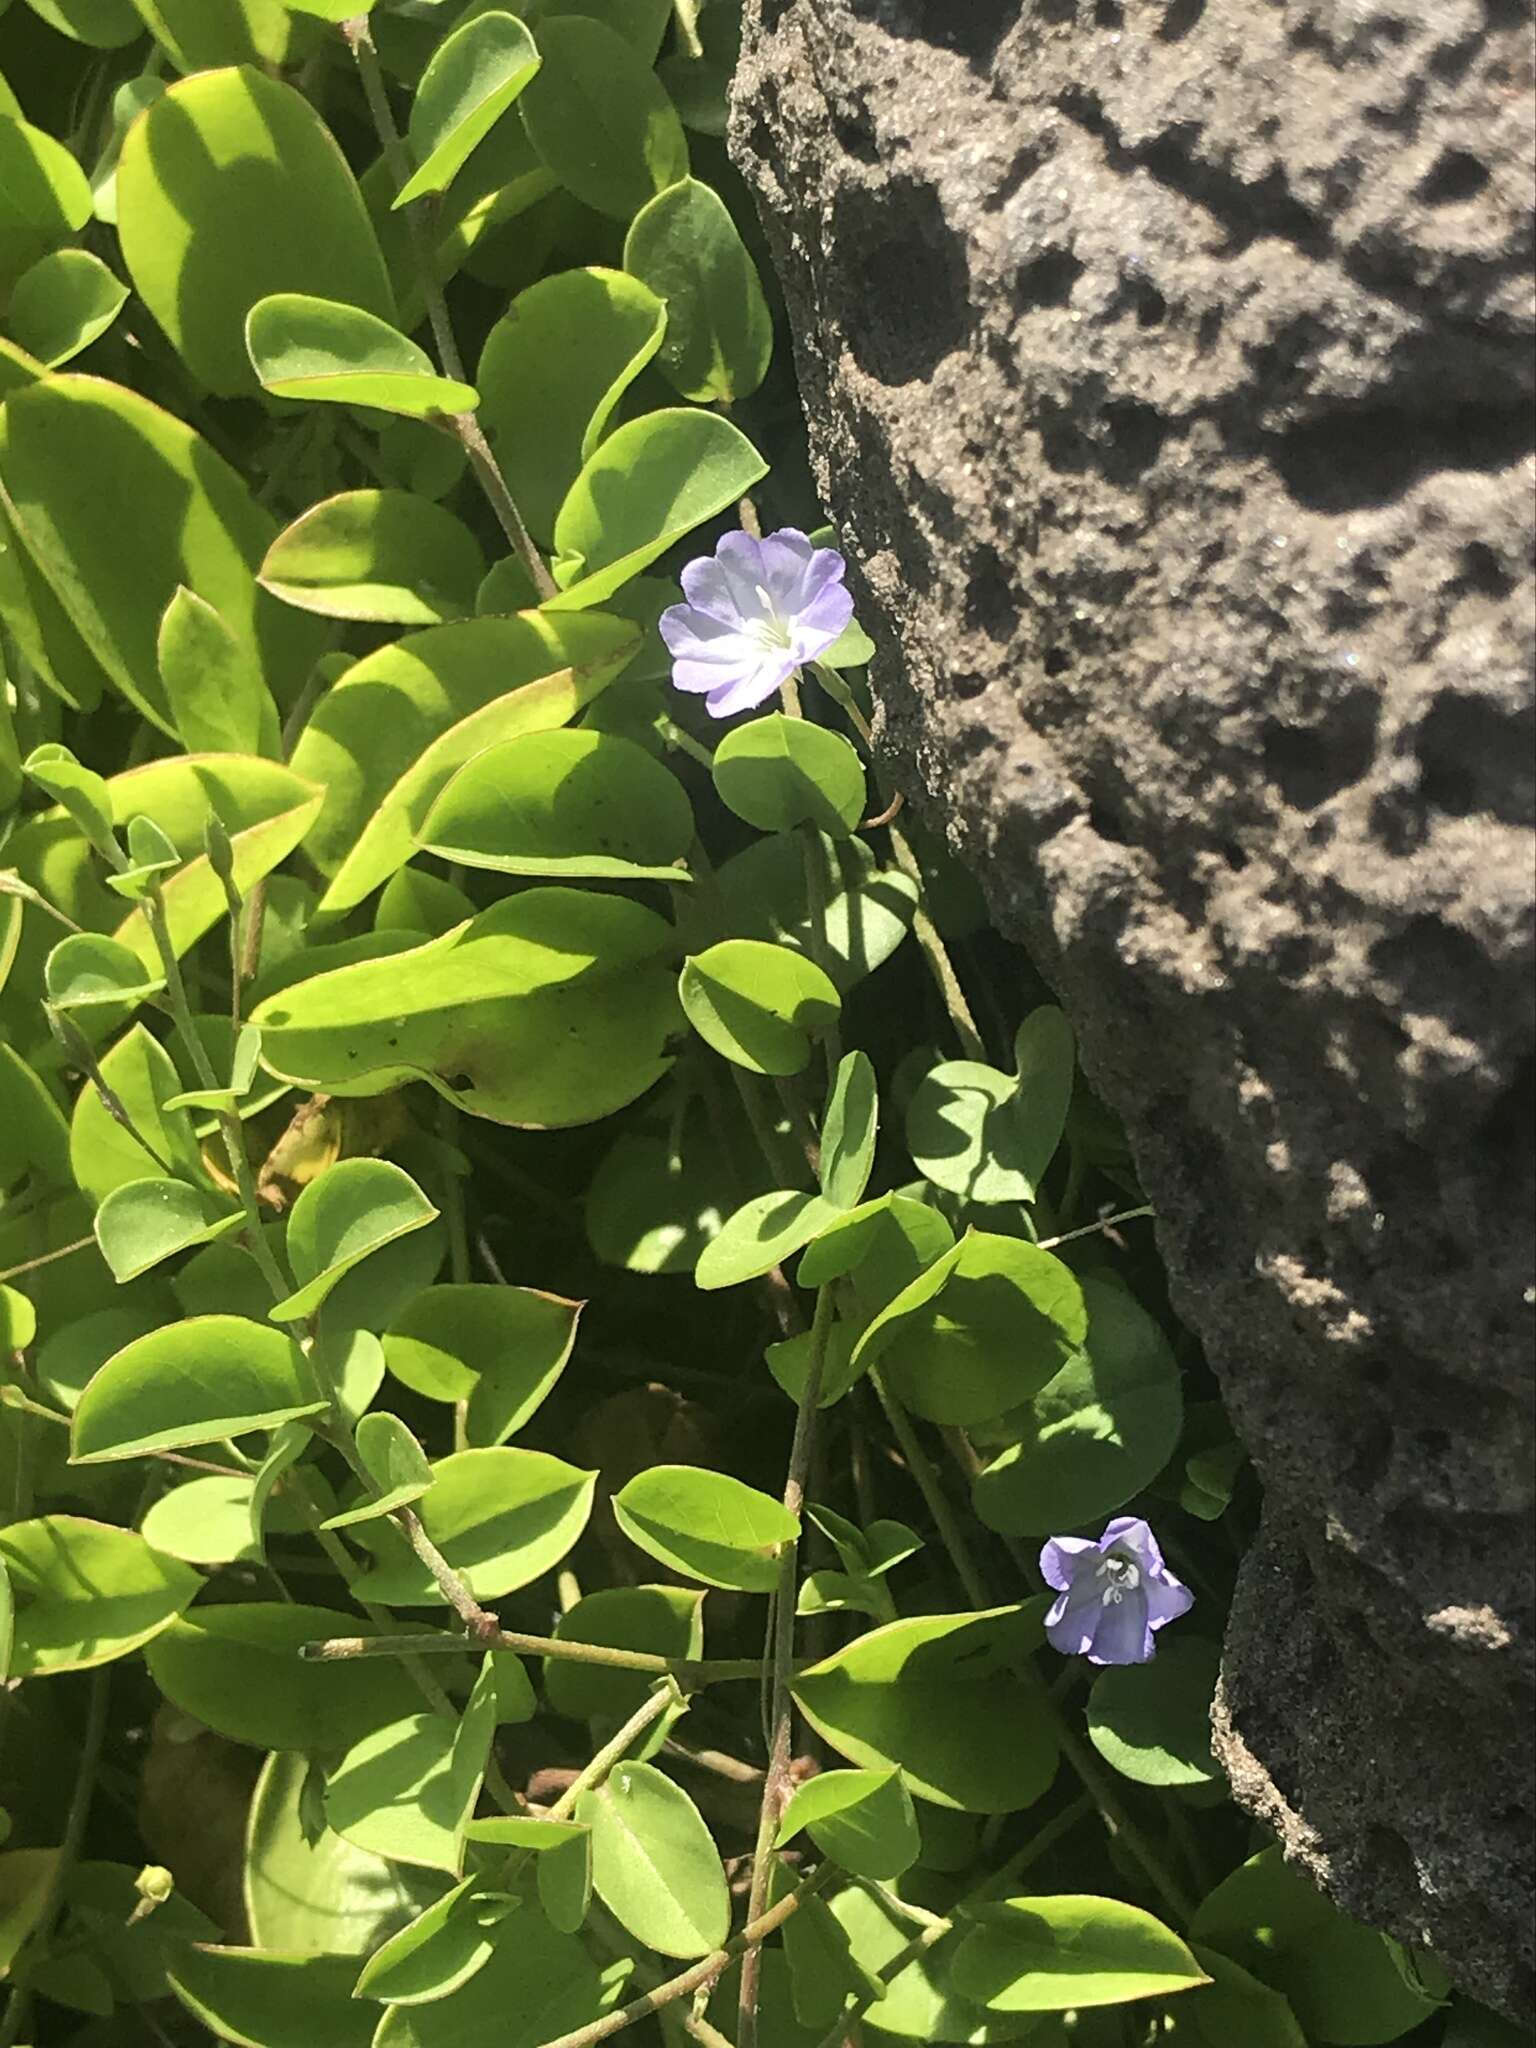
64,1251
704,1972
1049,1244
614,1751
781,1648
936,953
691,1674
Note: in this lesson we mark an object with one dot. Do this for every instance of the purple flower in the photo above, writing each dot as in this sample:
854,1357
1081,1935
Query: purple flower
756,610
1113,1595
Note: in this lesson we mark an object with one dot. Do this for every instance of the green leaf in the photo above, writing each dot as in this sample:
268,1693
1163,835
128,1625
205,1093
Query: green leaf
230,189
406,1789
538,1985
309,1891
551,1008
563,1871
474,76
355,1208
145,1221
920,2002
81,791
1153,1721
86,1593
868,915
654,1862
760,1235
685,246
63,303
567,803
779,772
37,1137
987,1136
237,1669
667,1621
397,1464
600,120
102,1155
324,349
551,375
44,198
18,1320
706,1525
26,1886
948,1699
440,1950
86,969
1060,1954
1096,1433
102,24
501,1517
1340,1978
387,556
862,1820
387,737
258,1999
849,1130
981,1330
640,491
651,1206
208,1520
759,1006
448,1343
194,523
1236,2007
195,1382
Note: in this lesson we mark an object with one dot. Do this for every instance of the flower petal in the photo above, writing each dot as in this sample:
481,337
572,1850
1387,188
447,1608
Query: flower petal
695,636
1124,1635
1167,1599
786,558
822,621
746,692
723,589
1058,1560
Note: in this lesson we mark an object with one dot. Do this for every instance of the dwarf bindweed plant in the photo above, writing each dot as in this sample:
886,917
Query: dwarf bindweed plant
554,1277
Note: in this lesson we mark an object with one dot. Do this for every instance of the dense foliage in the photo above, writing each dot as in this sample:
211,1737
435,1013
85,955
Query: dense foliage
472,1122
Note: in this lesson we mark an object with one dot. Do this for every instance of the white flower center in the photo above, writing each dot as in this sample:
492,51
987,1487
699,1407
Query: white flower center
771,632
1123,1577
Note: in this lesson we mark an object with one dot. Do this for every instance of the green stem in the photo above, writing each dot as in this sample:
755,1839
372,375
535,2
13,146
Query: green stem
936,953
781,1650
929,1485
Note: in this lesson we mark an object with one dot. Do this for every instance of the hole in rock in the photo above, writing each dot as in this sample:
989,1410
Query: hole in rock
906,300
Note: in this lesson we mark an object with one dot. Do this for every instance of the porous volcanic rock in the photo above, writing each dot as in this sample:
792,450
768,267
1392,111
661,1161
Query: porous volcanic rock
1168,366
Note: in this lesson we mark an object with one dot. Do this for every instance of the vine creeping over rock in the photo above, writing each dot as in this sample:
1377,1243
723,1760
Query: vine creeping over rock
555,1279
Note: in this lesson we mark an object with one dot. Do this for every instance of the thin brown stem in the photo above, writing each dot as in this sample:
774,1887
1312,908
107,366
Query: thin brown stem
65,1251
691,1673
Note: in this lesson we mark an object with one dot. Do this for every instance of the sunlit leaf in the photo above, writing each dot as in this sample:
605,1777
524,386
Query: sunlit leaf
685,246
63,303
386,556
86,1593
706,1525
474,76
195,1382
598,117
322,349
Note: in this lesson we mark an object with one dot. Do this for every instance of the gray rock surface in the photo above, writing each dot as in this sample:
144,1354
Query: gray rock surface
1169,374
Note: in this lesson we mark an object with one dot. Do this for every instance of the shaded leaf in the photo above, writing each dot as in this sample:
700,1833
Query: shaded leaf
354,1209
600,120
376,555
1059,1954
685,246
85,1593
475,74
758,1005
63,303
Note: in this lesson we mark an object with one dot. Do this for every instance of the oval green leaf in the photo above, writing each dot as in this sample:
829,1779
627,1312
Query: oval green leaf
440,1950
63,303
552,372
86,1593
779,772
599,118
567,803
760,1235
212,683
145,1221
759,1006
474,76
1059,1954
654,1862
258,1999
195,1382
862,1820
501,1517
666,1621
231,188
948,1699
336,354
1153,1721
685,246
354,1209
650,482
384,556
706,1525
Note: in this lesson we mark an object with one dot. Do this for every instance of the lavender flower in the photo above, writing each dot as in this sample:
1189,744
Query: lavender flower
756,610
1113,1595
